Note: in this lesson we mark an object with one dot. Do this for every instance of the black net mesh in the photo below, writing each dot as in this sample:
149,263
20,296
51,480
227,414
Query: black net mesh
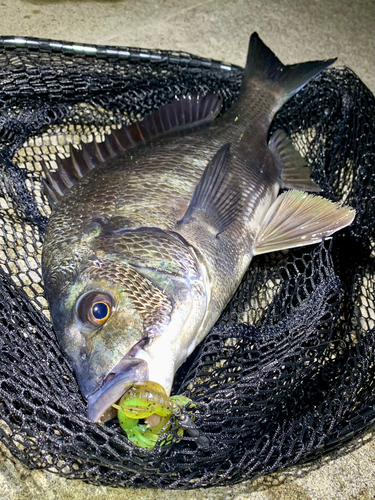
287,373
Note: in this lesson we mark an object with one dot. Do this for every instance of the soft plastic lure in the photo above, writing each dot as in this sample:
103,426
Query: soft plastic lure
148,401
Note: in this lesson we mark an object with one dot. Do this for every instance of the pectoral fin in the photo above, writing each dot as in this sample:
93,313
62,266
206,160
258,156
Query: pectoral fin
297,219
217,198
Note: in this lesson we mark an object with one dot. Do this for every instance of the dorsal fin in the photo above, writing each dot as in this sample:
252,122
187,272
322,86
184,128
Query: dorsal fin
185,112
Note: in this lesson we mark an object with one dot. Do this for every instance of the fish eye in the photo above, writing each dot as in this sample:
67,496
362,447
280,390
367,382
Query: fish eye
100,311
94,308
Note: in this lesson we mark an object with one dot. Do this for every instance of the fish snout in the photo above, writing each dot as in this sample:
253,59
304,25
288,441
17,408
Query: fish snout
115,384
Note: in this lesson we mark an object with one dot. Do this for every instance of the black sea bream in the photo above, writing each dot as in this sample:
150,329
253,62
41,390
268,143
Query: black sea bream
143,252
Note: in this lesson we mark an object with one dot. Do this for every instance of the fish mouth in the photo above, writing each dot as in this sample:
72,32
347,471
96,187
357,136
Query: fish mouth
116,383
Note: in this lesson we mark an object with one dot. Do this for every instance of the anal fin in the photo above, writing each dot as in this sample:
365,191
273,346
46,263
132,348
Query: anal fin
296,173
297,219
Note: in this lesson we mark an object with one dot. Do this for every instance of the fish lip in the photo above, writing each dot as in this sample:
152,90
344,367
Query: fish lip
100,402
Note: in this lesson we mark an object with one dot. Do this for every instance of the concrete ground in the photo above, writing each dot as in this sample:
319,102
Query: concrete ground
296,31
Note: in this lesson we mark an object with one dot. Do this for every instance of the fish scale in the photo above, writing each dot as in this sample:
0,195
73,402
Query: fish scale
149,248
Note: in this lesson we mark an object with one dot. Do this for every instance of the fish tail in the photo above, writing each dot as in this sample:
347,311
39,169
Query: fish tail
286,80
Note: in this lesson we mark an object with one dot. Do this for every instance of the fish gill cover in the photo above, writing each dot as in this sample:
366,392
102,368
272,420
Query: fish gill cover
287,373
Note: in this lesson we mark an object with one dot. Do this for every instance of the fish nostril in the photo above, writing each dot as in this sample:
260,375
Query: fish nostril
83,356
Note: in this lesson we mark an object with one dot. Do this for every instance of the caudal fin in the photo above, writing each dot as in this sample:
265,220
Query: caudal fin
262,63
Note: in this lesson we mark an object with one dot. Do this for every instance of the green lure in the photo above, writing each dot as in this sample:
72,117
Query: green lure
142,401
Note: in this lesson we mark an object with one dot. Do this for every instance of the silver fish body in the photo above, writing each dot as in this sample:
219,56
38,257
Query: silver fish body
143,253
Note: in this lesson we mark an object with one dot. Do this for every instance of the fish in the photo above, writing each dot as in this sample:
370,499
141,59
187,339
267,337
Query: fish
152,230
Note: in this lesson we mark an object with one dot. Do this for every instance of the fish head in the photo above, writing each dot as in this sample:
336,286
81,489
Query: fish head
119,324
